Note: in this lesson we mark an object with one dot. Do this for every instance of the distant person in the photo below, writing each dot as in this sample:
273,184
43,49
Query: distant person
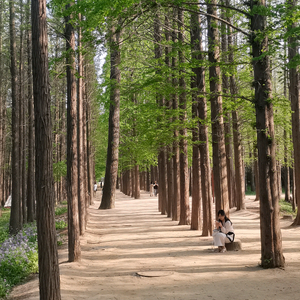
224,232
151,189
95,188
155,187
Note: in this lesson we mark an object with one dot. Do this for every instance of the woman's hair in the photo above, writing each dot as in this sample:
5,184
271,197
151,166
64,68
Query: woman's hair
222,213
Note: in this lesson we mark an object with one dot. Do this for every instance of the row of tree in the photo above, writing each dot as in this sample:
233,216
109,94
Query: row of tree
48,121
166,63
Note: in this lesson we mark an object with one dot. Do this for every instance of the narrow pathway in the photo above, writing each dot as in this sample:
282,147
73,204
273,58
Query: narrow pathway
134,239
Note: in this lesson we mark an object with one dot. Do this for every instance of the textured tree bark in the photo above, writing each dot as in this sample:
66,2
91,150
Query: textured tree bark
287,185
80,140
219,154
74,249
203,138
31,162
185,218
112,161
294,96
176,169
2,136
227,119
238,161
271,242
196,40
257,197
169,105
49,283
15,217
22,123
137,182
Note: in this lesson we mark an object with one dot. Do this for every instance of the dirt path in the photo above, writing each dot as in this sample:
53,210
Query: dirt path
135,238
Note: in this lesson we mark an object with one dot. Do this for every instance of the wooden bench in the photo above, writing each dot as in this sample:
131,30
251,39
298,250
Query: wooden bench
236,245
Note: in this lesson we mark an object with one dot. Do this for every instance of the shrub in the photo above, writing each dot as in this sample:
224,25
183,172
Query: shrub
60,225
60,210
18,258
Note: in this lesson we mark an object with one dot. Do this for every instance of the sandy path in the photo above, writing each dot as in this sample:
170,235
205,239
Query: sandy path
134,238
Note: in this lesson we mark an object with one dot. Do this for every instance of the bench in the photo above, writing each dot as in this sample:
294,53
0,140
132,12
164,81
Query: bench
236,245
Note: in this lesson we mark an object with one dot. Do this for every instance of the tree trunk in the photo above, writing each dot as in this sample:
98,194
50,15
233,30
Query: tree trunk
111,173
47,243
294,97
227,121
80,141
72,155
287,185
22,123
219,154
196,40
2,120
176,169
184,171
31,165
137,182
238,161
203,145
15,217
271,242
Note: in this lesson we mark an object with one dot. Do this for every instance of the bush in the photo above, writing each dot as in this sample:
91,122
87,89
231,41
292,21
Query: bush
61,210
4,222
286,208
18,258
60,225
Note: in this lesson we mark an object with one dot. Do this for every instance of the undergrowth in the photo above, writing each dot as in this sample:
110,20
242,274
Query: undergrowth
19,253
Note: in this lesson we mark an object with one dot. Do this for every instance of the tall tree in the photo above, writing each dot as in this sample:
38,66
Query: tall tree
169,104
47,243
22,123
31,164
196,190
184,171
206,192
15,216
174,96
72,155
238,160
80,138
1,115
295,102
112,161
271,242
218,143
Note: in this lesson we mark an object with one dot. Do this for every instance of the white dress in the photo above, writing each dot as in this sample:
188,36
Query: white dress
221,236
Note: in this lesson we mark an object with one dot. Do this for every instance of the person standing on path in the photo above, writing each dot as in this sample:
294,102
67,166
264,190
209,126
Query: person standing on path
155,187
95,188
151,189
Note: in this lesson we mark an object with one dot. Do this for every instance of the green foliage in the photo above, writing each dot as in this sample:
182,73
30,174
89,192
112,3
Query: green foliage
59,170
18,258
4,224
60,225
60,210
286,208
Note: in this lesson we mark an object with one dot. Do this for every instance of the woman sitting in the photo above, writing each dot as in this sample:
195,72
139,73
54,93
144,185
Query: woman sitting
224,232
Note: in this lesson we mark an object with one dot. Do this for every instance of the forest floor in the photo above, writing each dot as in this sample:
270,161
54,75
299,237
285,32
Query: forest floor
134,252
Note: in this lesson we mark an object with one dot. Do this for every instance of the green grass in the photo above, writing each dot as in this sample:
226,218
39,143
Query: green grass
60,225
4,224
248,192
286,208
18,254
60,210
